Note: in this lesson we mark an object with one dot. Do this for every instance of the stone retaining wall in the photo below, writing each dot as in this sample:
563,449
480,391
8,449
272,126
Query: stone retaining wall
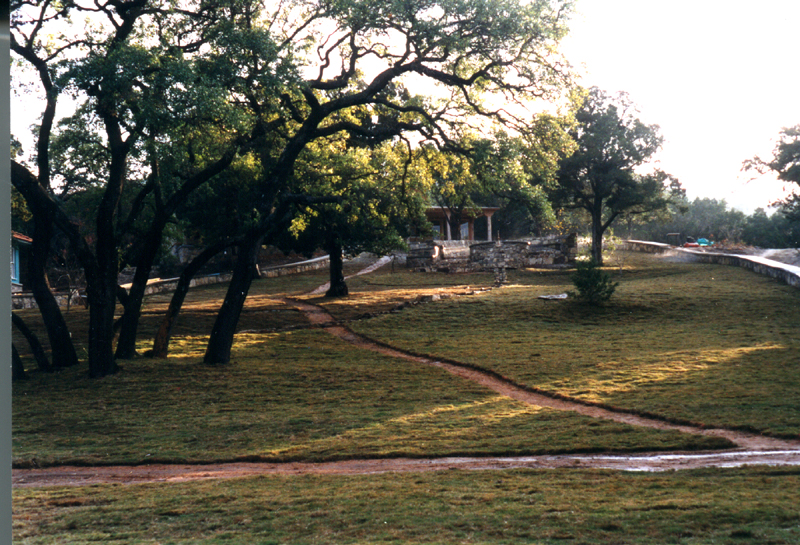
462,256
294,268
26,300
788,274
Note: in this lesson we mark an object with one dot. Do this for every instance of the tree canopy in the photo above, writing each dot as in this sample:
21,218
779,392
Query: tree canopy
785,162
603,175
170,94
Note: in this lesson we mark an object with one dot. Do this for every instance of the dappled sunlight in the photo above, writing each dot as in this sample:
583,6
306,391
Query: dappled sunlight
630,374
183,348
251,345
413,433
484,418
358,304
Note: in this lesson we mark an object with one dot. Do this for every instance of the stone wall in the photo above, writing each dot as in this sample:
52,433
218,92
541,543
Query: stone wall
158,285
26,300
439,255
781,271
462,256
294,268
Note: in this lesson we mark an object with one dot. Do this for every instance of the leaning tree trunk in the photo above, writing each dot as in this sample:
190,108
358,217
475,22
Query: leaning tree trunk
102,279
17,369
220,343
63,349
126,344
33,341
161,342
338,287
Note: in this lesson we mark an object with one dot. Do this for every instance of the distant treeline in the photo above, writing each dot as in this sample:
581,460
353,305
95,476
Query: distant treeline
712,219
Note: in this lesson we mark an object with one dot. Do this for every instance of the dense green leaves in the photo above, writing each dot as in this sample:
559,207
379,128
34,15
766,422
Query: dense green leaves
170,94
593,284
602,176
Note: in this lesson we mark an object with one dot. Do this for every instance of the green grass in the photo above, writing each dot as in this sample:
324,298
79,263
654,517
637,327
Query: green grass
731,507
301,395
709,344
701,343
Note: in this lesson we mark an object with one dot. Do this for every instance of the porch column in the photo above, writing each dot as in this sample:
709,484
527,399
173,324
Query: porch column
489,226
447,222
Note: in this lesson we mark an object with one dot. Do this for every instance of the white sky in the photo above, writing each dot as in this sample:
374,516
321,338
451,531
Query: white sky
720,77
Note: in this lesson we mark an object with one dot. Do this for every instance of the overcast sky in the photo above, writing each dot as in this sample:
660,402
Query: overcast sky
721,78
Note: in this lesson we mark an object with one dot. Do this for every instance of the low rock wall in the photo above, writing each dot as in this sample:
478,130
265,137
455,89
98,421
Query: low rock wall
788,274
460,256
26,300
294,268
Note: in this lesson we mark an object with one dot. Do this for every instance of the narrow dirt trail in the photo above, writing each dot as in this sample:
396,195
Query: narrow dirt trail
753,449
174,473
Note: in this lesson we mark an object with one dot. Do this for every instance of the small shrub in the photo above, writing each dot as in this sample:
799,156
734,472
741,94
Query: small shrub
594,285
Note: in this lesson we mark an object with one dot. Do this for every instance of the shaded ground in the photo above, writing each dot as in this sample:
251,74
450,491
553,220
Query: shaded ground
753,449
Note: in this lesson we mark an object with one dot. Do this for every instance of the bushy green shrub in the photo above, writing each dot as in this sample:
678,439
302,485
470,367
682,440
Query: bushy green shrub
594,285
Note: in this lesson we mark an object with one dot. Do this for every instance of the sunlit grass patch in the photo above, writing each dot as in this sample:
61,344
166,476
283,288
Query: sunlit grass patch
384,291
709,344
721,355
756,505
296,395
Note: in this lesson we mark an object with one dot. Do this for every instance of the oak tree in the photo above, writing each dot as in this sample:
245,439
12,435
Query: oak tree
430,67
602,176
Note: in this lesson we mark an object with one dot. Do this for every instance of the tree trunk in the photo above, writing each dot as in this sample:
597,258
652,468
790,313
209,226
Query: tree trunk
221,340
102,304
455,226
36,347
64,354
161,342
338,286
17,369
126,344
597,236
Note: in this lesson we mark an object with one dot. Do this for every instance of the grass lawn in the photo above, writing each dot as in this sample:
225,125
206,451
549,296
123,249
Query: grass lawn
732,507
300,395
707,344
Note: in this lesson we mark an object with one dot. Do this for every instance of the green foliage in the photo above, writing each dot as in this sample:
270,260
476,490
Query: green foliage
594,285
776,231
381,197
601,177
518,171
785,162
712,219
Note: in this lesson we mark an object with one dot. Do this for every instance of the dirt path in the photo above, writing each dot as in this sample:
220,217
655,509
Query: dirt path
159,473
753,449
